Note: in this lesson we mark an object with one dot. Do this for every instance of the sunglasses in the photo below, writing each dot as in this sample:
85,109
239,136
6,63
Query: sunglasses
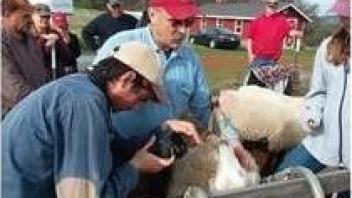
47,17
186,22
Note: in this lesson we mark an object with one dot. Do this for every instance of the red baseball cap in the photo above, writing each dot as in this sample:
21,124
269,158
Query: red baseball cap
177,9
59,19
341,8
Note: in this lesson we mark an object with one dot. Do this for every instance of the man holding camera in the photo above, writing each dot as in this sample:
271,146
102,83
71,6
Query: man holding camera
57,141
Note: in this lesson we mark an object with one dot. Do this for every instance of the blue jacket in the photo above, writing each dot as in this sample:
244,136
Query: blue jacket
61,133
184,81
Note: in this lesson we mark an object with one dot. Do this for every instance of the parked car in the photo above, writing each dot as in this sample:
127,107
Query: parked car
216,37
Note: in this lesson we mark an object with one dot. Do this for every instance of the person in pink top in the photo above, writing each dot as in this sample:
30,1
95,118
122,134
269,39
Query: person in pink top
266,35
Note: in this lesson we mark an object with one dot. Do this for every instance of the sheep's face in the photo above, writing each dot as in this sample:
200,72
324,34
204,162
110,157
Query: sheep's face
215,166
235,169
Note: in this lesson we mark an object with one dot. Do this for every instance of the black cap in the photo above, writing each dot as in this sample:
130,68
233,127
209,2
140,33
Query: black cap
42,9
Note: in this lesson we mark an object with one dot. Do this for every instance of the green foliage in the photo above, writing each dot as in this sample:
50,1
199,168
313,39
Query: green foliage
319,30
91,4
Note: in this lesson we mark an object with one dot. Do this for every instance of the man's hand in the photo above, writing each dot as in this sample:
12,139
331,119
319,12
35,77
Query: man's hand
186,128
312,124
50,39
250,57
146,162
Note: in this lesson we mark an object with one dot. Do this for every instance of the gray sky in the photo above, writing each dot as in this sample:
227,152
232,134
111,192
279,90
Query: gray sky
324,5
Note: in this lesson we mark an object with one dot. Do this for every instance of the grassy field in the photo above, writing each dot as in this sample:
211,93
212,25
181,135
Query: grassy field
227,68
224,68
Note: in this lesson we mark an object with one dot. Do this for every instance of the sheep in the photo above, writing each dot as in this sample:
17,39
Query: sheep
214,166
258,113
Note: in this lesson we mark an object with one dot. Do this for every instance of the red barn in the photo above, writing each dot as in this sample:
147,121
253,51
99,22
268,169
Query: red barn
237,16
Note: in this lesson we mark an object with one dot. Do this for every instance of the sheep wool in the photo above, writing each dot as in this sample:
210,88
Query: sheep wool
258,113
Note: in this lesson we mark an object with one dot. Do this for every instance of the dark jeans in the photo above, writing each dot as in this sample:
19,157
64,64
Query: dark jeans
299,156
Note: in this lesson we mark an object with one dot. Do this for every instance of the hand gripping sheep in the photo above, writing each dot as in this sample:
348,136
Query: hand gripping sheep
219,165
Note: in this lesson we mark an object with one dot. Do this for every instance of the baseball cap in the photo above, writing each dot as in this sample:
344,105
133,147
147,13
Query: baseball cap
143,60
59,19
42,9
177,9
341,8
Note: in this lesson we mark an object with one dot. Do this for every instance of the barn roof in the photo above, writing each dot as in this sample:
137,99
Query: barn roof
245,10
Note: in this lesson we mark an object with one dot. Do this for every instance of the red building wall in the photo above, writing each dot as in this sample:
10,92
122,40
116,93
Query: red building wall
230,23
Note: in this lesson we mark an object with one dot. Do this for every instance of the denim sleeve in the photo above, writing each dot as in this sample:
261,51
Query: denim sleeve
84,152
316,97
200,100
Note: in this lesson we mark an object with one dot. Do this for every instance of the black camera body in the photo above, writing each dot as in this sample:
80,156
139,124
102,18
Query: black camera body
170,143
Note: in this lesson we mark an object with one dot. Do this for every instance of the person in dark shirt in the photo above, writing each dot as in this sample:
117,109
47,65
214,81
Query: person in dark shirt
56,50
61,26
102,27
22,63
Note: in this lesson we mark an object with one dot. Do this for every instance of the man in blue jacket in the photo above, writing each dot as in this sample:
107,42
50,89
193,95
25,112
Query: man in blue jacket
57,141
184,78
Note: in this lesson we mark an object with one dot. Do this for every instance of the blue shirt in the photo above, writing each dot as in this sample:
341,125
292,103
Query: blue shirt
184,82
59,132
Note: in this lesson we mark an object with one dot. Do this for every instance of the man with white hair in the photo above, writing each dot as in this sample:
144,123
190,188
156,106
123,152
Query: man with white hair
183,76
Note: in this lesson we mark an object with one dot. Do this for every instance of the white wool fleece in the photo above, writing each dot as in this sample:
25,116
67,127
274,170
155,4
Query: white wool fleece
262,113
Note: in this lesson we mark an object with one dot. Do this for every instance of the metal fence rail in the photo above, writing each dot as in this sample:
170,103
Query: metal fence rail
331,181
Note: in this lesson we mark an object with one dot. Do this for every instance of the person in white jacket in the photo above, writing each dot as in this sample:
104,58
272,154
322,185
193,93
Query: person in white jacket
326,109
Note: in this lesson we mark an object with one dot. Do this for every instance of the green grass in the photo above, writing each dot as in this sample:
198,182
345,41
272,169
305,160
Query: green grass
227,68
224,68
80,19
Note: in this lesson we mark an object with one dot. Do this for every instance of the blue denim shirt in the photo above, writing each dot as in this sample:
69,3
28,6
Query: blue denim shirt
59,133
184,82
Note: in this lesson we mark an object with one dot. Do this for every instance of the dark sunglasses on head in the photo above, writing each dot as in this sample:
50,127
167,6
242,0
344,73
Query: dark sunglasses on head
45,17
186,22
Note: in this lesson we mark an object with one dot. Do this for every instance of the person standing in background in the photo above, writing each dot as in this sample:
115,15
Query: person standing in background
23,68
61,26
96,32
48,38
264,44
